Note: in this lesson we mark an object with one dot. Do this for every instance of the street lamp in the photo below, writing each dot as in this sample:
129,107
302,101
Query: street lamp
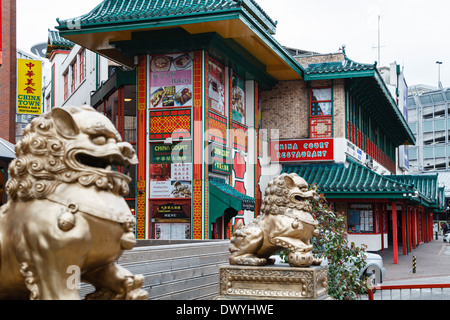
439,73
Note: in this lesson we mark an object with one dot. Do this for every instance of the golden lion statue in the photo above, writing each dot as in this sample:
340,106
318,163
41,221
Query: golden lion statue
66,215
286,222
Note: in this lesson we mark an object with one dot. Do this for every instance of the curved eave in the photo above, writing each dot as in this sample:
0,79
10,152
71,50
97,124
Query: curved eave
236,24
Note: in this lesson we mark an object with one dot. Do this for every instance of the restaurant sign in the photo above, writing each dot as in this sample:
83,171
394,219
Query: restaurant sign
29,85
220,159
302,150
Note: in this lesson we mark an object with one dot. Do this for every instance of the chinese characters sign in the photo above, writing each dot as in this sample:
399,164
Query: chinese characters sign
29,86
220,159
302,150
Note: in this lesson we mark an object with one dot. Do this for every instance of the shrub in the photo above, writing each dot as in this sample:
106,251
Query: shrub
344,260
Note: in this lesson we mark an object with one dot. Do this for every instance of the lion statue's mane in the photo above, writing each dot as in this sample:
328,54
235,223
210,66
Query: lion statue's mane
41,164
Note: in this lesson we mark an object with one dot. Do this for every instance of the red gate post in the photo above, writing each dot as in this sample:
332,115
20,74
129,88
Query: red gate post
404,229
394,232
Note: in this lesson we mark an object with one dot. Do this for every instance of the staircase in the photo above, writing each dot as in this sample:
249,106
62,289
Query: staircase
176,270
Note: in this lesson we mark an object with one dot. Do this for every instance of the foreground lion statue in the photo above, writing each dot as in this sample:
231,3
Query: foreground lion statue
66,215
286,222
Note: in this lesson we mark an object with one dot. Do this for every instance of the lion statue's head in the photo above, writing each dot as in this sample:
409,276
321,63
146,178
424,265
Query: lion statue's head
69,145
287,191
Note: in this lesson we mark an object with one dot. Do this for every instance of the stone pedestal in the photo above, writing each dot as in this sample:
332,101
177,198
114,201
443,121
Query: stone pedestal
273,282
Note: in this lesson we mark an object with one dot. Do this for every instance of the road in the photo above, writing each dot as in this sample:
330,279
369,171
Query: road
432,264
432,267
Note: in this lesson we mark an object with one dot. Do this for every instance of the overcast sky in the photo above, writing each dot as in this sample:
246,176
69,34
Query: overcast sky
413,33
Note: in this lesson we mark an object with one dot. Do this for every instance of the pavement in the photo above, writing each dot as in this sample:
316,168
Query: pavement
432,264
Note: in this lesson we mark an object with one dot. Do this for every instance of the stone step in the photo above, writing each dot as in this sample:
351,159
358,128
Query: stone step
140,254
176,271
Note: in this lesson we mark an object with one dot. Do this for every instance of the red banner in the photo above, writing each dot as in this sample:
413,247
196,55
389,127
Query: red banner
302,150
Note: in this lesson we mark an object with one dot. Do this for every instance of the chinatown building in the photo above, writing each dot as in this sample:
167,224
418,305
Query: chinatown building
345,136
216,107
199,71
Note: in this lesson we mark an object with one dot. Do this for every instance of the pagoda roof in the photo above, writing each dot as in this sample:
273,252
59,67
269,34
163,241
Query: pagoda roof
240,23
125,11
342,69
55,41
353,180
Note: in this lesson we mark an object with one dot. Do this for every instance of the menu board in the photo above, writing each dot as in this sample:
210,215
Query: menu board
238,108
170,180
172,231
216,87
171,81
170,171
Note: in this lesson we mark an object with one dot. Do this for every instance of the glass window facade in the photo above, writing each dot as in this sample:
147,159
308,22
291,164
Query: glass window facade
430,122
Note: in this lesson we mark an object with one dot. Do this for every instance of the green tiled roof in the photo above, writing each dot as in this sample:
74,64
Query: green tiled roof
55,41
126,11
356,181
343,68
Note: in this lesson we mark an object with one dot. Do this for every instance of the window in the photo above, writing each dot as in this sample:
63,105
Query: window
428,152
73,70
437,97
425,99
66,84
427,126
82,64
321,102
439,151
321,111
439,124
360,218
412,153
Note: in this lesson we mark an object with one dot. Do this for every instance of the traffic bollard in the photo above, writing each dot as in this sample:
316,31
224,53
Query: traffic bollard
414,264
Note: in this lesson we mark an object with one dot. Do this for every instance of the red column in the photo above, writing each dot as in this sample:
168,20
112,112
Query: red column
394,232
404,229
413,227
410,228
381,207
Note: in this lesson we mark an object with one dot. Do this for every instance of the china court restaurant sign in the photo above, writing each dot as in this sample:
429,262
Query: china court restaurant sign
302,150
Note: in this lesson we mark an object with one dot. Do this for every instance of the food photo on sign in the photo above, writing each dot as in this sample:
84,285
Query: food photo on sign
171,81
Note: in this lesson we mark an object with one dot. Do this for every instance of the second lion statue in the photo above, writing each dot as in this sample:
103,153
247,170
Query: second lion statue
286,222
66,213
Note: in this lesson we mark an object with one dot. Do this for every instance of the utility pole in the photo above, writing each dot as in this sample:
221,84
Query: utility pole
379,46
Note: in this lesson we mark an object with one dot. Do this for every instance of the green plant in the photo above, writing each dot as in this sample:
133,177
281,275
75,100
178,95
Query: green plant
345,259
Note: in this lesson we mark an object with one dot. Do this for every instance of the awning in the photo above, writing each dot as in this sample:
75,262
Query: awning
223,197
7,152
355,181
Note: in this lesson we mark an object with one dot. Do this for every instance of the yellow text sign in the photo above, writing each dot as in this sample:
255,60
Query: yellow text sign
29,86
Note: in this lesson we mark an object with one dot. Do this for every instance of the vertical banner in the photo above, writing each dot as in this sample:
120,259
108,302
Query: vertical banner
29,86
198,140
141,210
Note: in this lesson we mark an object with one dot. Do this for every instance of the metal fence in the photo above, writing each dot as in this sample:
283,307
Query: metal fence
409,292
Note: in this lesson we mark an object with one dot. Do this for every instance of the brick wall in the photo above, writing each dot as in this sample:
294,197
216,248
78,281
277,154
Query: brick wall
286,108
8,72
